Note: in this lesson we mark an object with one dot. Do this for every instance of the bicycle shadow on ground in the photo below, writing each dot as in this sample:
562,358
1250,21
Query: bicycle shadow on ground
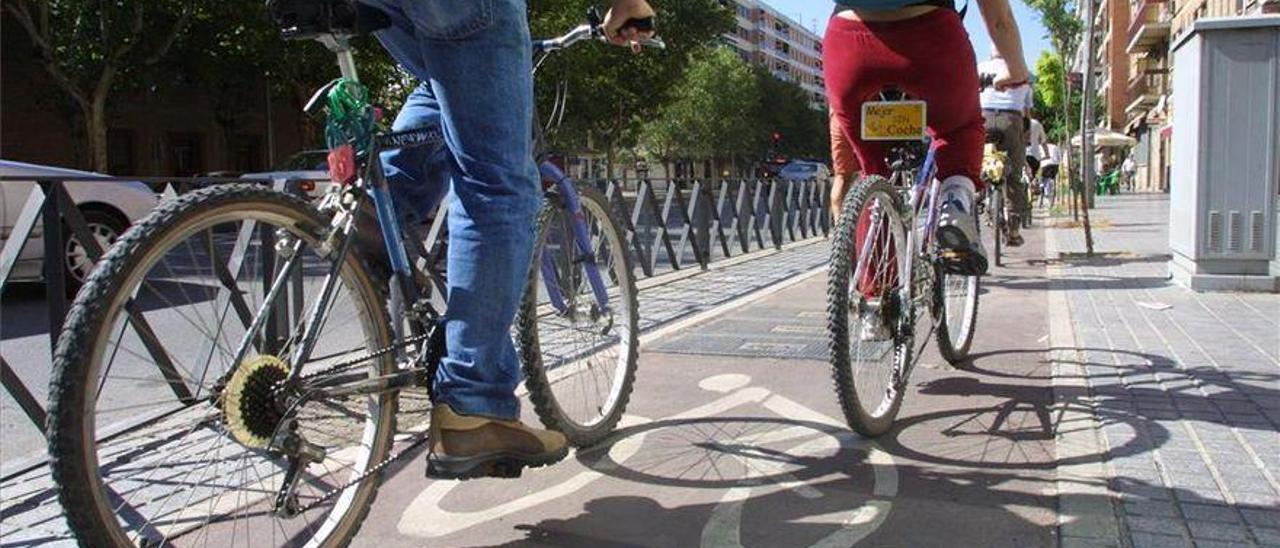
934,508
1133,399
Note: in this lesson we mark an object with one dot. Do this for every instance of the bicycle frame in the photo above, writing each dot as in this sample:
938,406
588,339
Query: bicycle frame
405,291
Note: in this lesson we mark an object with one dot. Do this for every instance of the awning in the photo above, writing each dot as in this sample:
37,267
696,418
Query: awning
1103,137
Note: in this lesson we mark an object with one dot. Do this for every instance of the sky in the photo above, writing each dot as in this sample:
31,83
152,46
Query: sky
811,12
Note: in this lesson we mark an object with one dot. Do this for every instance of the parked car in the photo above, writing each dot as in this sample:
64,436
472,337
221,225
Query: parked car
109,208
310,168
799,170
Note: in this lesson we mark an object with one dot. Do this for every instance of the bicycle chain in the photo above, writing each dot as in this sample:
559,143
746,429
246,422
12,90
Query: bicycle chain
352,362
363,476
346,364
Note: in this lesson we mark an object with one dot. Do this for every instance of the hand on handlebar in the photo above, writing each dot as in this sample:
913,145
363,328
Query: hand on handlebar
629,23
1011,78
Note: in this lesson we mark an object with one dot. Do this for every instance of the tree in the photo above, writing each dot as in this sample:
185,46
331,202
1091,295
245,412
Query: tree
611,94
711,114
94,48
237,55
784,109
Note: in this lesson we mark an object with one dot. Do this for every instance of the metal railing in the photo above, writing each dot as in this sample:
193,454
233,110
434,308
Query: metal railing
669,225
51,208
1147,82
1147,12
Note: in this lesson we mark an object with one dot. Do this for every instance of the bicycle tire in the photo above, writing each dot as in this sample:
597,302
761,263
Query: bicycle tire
1001,220
81,489
532,326
874,422
955,340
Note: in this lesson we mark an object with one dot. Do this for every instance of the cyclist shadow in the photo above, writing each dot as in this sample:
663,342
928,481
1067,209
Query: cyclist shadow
989,509
1134,399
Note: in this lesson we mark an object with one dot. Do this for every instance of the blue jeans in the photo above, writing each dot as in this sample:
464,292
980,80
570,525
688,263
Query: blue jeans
475,61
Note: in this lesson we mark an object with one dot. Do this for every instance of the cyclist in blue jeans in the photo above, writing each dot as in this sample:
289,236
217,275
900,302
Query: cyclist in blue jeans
474,59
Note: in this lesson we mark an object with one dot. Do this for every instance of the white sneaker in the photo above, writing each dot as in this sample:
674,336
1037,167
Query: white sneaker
962,248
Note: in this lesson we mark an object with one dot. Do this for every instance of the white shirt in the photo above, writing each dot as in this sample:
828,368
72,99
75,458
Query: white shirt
1054,158
1036,139
1017,99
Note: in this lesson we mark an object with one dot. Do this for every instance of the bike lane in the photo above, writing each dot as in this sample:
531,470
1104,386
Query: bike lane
734,438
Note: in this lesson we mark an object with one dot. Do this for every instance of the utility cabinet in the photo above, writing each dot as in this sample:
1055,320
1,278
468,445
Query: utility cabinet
1226,155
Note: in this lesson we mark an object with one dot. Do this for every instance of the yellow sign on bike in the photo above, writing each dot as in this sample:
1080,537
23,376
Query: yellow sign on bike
893,120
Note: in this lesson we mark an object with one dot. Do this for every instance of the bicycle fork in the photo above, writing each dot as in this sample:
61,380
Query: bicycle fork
581,239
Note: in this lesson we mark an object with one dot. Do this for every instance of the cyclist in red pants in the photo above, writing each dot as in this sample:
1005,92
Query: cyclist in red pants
921,47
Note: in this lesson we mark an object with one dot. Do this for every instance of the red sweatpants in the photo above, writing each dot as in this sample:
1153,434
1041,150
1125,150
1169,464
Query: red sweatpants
929,57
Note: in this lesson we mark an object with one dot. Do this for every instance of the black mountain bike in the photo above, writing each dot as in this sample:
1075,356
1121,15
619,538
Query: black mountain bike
235,367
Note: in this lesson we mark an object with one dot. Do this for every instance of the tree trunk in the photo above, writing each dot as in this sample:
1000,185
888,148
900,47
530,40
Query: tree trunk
96,134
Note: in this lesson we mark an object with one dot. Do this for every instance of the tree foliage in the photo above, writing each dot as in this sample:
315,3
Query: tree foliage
710,112
611,93
784,108
693,99
93,48
1060,21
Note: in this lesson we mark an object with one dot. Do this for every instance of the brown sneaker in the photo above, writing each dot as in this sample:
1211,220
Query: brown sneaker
464,447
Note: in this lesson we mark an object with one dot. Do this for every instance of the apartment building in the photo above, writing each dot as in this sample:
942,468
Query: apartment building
766,37
1133,62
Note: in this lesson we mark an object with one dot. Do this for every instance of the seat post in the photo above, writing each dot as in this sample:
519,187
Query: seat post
341,47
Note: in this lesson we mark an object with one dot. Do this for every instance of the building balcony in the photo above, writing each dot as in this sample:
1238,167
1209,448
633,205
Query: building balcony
1145,91
1152,20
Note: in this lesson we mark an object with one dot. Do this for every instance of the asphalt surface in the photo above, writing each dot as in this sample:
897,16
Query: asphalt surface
719,448
726,450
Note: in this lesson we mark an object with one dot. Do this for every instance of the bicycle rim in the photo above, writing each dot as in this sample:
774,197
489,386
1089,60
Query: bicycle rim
868,318
580,359
959,299
164,469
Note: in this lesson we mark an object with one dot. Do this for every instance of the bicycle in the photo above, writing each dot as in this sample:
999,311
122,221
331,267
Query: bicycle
995,166
886,267
279,422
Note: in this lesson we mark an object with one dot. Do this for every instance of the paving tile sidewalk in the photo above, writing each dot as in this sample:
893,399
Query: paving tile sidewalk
1169,399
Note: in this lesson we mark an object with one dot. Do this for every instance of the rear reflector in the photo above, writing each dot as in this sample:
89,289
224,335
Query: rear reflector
342,164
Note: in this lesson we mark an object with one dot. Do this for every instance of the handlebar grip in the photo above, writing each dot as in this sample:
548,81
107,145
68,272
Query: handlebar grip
986,80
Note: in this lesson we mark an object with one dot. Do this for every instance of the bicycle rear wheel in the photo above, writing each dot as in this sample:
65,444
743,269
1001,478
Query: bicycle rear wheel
958,297
157,437
579,358
868,322
999,222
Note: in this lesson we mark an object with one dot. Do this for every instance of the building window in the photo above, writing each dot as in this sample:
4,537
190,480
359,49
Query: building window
120,152
185,154
245,153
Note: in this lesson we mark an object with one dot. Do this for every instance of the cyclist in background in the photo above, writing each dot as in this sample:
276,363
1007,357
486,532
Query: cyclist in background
1037,147
844,168
1007,112
1049,173
475,61
921,47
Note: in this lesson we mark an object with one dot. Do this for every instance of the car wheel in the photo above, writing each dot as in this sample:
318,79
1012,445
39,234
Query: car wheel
106,227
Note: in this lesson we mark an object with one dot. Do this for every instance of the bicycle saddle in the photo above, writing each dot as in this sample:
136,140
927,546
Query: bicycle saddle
299,19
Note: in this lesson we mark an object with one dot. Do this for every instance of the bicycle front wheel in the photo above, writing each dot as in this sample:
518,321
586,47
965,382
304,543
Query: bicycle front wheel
869,320
578,327
159,436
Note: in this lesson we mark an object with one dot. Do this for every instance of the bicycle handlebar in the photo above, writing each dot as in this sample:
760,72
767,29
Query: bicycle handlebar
590,31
